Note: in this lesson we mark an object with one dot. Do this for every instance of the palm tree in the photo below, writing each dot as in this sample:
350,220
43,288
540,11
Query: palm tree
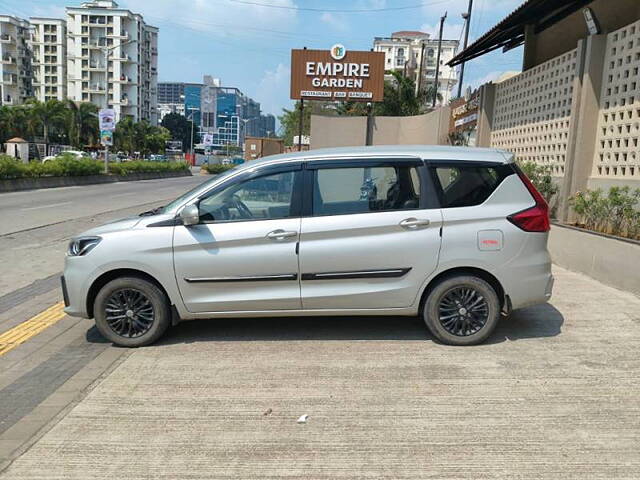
48,115
125,135
13,122
426,96
82,123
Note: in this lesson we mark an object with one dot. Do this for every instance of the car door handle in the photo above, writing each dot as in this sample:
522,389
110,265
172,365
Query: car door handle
281,234
414,223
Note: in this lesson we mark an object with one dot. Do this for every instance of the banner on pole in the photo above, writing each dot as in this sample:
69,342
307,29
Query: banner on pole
106,138
107,119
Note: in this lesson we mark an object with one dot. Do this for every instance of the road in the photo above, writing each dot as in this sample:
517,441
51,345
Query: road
34,208
552,394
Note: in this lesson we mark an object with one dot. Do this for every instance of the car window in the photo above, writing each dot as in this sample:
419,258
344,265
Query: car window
342,191
464,186
266,197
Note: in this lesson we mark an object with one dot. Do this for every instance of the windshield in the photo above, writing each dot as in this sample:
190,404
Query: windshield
194,191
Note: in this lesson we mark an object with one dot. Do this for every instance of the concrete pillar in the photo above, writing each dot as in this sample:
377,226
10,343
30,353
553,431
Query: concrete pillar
584,121
529,56
485,115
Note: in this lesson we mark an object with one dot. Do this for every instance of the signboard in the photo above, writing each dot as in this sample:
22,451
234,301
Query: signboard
207,139
106,138
337,74
107,119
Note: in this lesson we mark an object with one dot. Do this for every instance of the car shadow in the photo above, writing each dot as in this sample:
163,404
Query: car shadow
534,322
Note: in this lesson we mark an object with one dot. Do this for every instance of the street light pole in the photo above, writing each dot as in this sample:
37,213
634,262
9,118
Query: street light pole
435,89
467,18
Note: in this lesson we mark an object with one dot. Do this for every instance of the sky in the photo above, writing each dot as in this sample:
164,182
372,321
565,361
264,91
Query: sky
247,43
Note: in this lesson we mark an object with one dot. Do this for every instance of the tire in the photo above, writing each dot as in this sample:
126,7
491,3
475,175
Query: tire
461,310
131,312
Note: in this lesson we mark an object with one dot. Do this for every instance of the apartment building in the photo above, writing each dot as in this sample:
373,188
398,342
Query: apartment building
49,49
404,52
15,61
112,59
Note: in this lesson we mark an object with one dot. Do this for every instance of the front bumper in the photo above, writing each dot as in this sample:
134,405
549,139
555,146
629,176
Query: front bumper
65,293
75,285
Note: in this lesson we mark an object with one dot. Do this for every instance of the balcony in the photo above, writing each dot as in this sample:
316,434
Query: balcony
8,60
6,38
125,80
95,67
10,79
95,88
121,35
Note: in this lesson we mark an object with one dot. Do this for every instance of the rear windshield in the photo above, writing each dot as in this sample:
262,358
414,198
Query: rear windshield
468,185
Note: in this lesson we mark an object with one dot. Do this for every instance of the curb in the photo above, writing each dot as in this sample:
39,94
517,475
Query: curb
20,184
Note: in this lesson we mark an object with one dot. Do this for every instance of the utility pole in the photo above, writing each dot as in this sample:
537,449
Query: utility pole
300,124
435,89
419,82
467,19
301,120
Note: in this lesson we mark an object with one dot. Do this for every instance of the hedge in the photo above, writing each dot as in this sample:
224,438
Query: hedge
126,168
216,168
67,165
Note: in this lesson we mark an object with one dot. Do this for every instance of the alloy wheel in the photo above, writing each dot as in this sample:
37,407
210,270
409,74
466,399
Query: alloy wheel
129,313
463,311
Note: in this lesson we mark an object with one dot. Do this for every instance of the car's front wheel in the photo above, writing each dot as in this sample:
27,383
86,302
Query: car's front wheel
131,312
462,310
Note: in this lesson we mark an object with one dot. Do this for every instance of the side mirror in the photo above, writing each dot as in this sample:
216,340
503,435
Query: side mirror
190,215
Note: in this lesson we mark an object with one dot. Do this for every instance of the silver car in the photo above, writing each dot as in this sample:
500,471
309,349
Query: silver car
455,235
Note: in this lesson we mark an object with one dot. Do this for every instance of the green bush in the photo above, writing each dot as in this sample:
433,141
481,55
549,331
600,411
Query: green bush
125,168
617,212
66,165
216,168
11,168
541,178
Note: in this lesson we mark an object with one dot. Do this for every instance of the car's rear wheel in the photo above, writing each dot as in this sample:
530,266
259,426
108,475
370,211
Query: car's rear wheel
462,310
131,312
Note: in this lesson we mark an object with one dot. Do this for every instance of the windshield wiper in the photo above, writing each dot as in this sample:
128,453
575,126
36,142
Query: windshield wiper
155,211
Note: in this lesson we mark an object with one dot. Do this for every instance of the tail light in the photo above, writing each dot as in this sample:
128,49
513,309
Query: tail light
536,218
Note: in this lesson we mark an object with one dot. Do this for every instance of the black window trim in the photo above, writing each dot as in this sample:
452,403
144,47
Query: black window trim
432,165
428,194
296,194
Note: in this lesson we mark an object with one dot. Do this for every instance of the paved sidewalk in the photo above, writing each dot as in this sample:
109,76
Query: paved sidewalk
553,395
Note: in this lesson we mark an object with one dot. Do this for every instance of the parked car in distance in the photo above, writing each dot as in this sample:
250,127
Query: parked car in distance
157,158
76,153
455,235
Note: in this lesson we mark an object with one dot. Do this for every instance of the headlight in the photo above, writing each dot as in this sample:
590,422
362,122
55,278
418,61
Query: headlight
82,245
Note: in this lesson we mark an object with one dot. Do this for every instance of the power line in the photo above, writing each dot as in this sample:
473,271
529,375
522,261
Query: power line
336,10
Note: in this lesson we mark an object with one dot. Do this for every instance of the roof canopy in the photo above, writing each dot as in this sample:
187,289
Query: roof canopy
509,33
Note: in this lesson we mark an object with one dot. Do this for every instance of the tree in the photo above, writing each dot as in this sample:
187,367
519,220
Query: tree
140,137
290,119
124,136
400,99
180,129
82,123
13,123
46,116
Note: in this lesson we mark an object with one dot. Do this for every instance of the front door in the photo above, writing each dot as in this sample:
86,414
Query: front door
372,238
242,254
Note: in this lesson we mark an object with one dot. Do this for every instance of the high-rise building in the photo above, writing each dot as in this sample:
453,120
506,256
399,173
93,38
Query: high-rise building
224,112
112,59
49,47
404,52
15,60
